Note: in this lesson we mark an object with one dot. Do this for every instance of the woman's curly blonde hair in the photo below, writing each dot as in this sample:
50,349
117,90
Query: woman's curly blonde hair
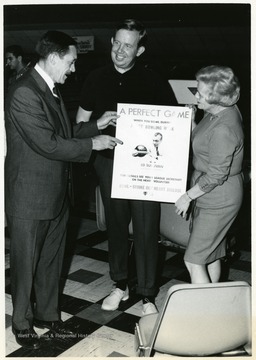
223,84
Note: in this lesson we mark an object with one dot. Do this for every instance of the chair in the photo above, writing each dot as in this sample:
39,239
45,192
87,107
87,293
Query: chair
199,320
100,211
173,228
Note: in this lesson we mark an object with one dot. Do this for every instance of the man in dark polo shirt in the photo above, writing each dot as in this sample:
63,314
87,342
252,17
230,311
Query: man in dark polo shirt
125,81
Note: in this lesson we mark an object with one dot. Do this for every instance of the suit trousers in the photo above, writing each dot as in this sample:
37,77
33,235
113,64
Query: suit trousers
36,258
145,221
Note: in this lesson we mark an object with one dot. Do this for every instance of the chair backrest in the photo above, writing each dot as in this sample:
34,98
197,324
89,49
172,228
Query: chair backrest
173,227
205,319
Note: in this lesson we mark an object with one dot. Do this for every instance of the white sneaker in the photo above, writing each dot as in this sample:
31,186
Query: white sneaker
149,308
112,301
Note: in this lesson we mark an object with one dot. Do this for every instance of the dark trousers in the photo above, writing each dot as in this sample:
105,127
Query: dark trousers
145,221
36,257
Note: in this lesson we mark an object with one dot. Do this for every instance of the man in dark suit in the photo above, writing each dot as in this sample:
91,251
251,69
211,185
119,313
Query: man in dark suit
40,147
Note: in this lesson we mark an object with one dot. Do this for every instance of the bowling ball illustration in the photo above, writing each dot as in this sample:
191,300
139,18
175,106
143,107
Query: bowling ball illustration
140,151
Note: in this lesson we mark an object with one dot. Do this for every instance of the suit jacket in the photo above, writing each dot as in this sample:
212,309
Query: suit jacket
40,147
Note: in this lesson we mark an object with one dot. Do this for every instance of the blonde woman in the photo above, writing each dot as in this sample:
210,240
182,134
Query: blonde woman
217,181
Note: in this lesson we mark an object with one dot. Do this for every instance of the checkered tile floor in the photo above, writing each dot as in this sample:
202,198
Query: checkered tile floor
86,283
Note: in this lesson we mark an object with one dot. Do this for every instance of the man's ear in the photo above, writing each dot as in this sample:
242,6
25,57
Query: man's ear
140,51
53,58
112,41
19,58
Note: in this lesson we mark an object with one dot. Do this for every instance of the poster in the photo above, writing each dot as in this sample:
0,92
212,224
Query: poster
152,163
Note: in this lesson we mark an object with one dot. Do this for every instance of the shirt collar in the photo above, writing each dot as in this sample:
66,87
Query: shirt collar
131,70
45,76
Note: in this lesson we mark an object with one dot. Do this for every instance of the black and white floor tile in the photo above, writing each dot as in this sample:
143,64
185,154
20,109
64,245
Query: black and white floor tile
86,283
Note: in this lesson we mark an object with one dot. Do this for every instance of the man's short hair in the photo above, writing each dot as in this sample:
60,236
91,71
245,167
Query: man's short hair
134,25
16,50
54,42
158,134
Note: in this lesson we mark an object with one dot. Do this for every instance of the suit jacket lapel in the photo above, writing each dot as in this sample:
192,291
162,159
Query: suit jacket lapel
49,98
60,109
